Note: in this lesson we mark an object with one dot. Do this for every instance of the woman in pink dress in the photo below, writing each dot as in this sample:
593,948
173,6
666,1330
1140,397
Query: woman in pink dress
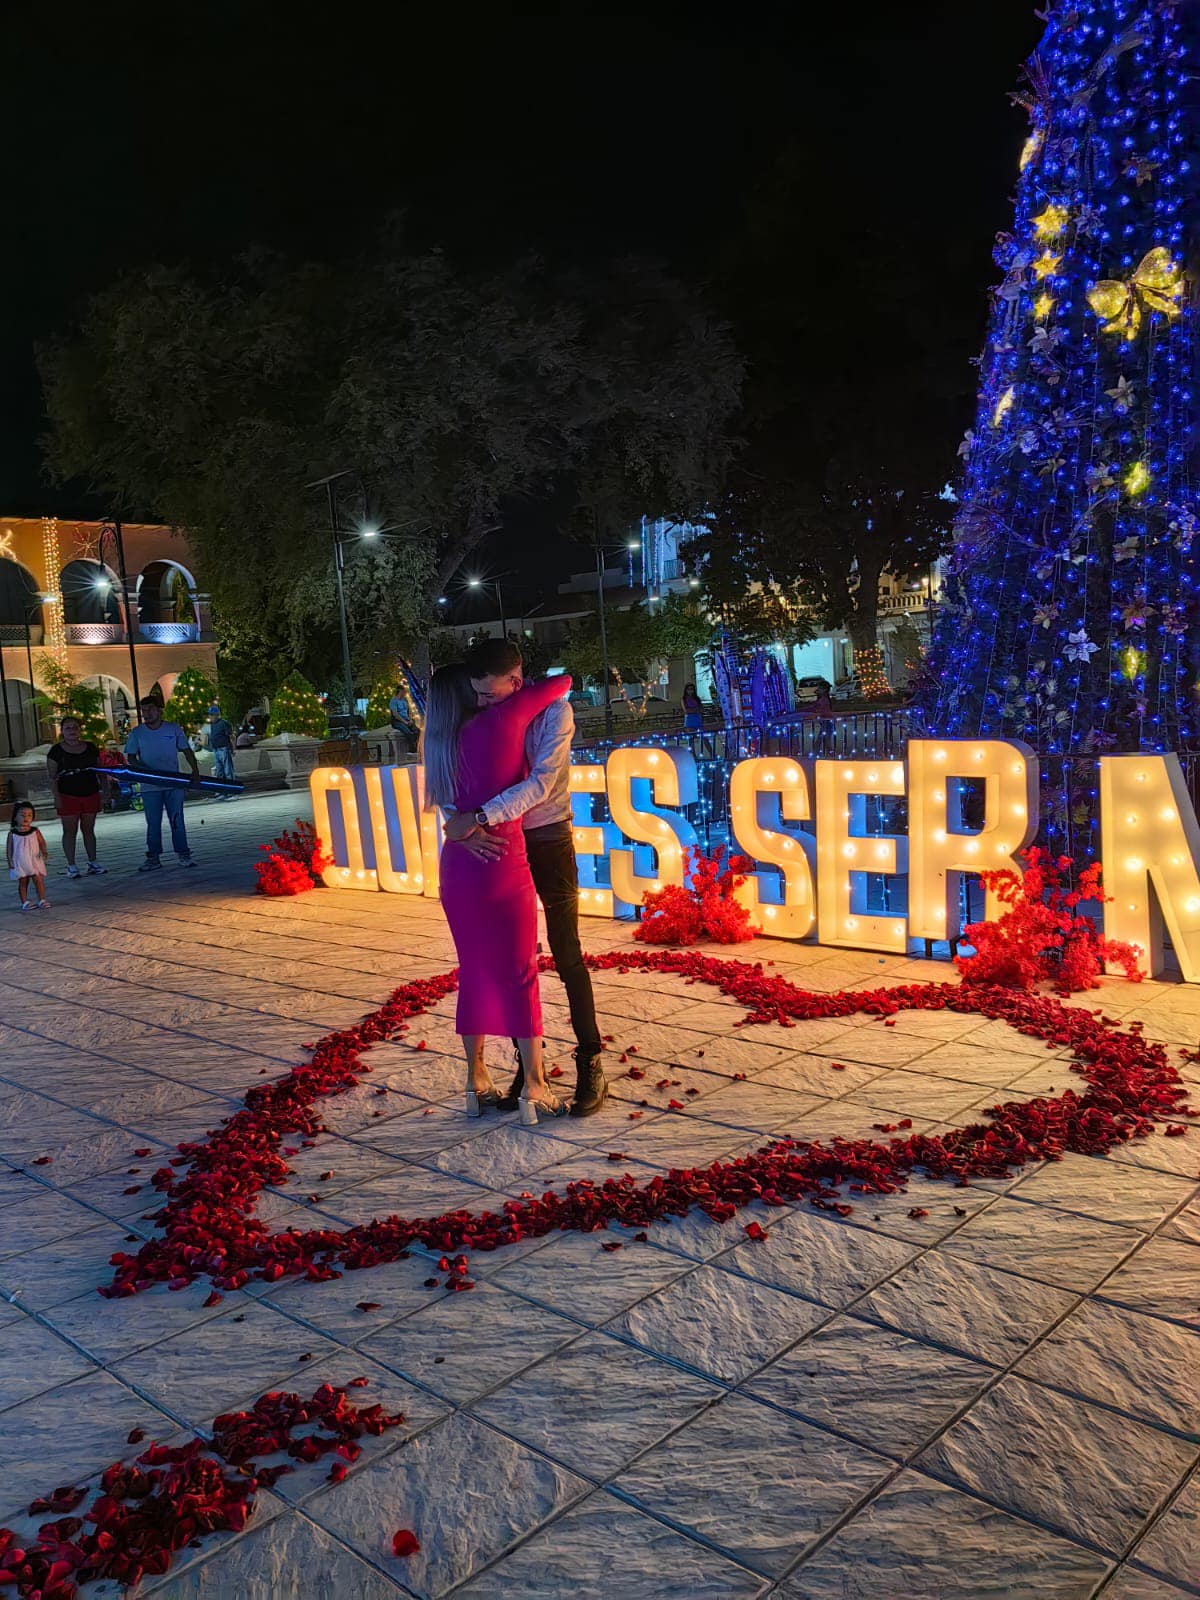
471,755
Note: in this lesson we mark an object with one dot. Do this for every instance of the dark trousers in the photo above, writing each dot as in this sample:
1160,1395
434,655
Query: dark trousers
551,852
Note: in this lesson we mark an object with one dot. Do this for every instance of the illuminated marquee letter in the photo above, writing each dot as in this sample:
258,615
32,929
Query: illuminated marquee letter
940,850
765,795
639,779
393,794
1150,842
592,841
844,849
336,817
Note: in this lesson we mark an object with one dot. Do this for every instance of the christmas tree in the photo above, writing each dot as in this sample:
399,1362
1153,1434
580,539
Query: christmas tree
191,697
65,695
377,714
296,708
1070,617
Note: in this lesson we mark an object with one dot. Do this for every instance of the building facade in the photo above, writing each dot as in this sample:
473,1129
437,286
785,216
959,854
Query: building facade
62,598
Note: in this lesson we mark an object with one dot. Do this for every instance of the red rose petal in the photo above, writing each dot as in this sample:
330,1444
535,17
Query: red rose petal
405,1543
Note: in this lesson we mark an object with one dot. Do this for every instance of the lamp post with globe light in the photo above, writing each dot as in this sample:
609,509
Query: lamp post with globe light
112,530
494,583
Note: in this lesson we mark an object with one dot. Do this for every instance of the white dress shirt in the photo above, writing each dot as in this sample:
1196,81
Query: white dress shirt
545,795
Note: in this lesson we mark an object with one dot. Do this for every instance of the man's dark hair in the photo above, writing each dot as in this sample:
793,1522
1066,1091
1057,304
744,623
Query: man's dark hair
492,658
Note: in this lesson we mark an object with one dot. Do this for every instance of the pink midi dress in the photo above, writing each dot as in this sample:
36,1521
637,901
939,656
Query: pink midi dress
491,906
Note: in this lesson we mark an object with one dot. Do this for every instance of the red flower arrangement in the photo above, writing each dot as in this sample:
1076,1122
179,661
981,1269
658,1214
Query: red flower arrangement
149,1509
208,1228
295,861
704,909
1043,938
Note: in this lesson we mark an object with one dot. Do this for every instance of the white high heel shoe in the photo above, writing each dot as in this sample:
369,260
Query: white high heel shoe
532,1111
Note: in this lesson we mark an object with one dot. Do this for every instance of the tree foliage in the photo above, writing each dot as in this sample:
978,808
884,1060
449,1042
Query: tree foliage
66,695
837,480
637,636
191,697
212,402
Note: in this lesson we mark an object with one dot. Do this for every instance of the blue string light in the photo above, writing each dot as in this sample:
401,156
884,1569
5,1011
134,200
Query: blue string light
1071,617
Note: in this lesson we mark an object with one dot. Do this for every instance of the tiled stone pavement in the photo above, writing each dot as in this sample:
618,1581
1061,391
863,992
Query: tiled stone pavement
1001,1398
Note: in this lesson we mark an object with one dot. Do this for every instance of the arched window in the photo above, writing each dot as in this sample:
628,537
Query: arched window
89,594
20,602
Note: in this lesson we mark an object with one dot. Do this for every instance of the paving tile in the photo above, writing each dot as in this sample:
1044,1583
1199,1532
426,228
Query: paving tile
109,1329
268,1561
331,1308
1143,1366
992,1067
602,1549
887,1392
1053,1246
575,1275
759,1485
67,1433
821,1260
465,1344
555,1407
405,1190
1085,1472
1163,1277
32,1359
37,1279
921,1094
722,1324
1172,1547
1130,1584
756,1106
223,1362
468,1492
993,1316
921,1539
503,1154
45,1217
1105,1189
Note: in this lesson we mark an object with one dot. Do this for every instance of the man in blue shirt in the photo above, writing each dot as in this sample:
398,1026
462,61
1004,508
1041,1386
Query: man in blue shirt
220,742
157,745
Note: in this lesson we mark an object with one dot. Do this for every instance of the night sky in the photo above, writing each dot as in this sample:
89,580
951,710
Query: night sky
141,134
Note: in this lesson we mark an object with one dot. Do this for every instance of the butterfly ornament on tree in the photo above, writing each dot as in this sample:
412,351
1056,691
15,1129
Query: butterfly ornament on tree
1155,285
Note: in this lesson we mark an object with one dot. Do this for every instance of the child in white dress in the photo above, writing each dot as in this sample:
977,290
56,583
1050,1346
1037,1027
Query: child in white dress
27,857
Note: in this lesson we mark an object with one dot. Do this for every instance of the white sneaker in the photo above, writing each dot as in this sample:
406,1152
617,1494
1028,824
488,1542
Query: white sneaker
95,870
73,871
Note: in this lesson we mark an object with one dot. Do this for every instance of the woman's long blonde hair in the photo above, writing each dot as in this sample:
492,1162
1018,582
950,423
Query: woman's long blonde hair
452,701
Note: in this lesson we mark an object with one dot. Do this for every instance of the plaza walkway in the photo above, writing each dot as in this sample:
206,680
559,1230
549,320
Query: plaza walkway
996,1397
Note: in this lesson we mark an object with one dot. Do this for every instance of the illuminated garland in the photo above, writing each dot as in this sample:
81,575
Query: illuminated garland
1070,617
55,622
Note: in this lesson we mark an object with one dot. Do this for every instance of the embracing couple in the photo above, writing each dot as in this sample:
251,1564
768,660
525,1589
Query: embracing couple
497,754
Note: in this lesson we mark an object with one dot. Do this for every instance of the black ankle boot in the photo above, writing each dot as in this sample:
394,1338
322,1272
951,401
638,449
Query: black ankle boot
591,1086
509,1101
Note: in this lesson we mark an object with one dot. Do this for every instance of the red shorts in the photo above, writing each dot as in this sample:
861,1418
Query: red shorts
78,805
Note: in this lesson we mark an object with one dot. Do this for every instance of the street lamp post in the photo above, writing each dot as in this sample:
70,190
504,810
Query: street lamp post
608,717
113,530
493,583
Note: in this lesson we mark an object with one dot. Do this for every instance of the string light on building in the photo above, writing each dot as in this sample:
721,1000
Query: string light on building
55,623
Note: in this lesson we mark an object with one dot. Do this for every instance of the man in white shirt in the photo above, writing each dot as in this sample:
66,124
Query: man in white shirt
157,746
543,802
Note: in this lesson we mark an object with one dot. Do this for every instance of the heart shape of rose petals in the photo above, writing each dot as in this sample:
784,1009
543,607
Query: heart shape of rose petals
208,1226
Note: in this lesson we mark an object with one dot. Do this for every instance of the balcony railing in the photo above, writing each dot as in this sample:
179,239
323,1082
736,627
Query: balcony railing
906,600
95,633
13,634
169,632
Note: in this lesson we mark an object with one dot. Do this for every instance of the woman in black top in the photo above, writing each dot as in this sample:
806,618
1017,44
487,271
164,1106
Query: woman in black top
76,792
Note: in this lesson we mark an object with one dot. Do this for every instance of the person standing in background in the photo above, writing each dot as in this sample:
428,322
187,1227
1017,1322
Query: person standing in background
70,764
156,746
693,709
220,742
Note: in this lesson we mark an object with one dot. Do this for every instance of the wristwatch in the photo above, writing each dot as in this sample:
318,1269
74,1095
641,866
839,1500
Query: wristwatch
481,818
